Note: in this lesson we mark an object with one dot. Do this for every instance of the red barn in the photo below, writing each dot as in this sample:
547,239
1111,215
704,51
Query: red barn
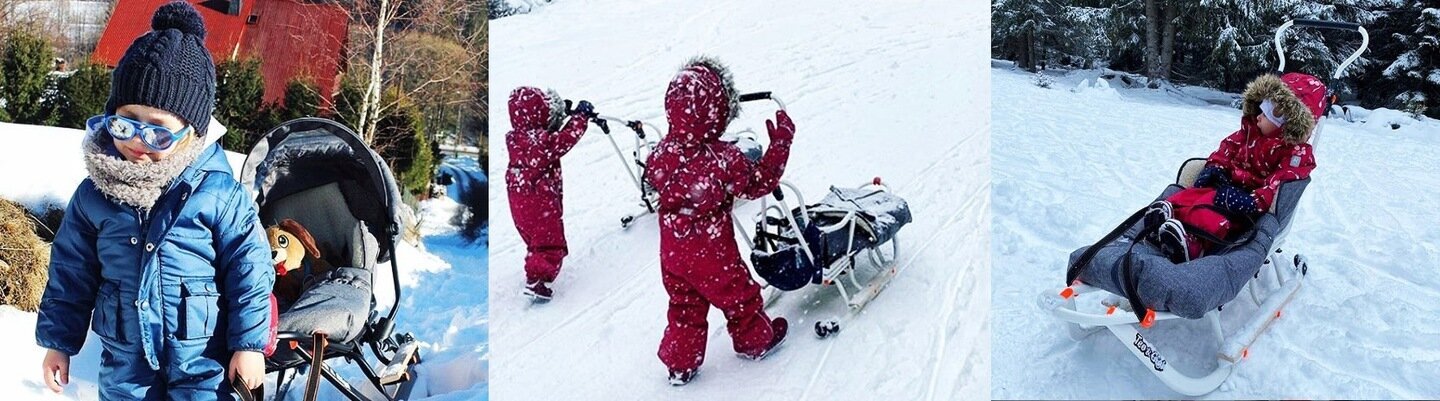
291,38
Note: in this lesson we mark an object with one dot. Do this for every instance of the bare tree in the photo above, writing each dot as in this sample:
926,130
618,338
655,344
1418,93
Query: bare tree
418,47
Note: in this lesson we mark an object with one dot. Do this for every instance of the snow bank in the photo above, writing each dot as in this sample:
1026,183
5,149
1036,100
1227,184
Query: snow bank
1096,88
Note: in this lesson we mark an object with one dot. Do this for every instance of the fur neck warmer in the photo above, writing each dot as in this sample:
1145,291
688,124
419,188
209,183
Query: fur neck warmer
135,184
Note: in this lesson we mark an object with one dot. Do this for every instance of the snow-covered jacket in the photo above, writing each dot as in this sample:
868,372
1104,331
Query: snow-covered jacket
697,175
187,277
535,149
1260,163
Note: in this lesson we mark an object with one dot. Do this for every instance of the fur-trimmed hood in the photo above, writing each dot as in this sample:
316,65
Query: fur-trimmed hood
534,109
701,100
1297,97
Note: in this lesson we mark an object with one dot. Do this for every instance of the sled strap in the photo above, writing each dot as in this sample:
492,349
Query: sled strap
317,365
1073,271
1132,280
1223,244
245,394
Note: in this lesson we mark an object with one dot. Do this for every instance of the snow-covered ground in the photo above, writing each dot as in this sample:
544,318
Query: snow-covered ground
1069,163
898,91
444,297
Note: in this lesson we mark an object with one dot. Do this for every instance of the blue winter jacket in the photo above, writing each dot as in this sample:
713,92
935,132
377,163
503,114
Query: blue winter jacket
191,279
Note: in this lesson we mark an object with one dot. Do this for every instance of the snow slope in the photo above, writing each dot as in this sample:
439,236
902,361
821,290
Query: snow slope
1068,166
440,302
897,91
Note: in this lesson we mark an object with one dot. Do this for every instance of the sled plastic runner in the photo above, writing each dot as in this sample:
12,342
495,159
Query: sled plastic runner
1274,286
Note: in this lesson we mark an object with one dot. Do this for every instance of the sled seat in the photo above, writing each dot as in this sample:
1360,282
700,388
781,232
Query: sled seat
874,215
1193,288
339,302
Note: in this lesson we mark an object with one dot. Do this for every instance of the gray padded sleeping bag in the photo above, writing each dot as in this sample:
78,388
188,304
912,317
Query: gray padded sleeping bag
1194,288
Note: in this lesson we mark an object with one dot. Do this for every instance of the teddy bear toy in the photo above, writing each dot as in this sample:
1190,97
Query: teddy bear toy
296,258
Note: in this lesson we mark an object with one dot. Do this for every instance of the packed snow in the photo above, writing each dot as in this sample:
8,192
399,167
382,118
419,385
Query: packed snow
1070,165
444,297
898,92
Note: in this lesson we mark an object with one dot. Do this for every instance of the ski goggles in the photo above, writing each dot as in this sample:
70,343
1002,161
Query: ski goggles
154,136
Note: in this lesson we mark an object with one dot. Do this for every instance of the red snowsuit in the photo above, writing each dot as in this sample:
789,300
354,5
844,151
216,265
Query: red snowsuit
1255,162
533,179
698,178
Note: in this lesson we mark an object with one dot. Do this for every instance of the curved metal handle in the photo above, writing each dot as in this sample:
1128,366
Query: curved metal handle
754,96
1309,23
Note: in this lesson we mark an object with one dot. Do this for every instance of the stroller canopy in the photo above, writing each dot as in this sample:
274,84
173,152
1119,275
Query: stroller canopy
309,153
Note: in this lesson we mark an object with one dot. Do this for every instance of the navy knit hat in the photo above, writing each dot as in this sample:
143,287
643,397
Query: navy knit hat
168,68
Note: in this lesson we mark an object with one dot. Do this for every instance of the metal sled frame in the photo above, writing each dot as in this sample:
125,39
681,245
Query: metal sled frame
1282,275
647,135
635,164
393,380
839,274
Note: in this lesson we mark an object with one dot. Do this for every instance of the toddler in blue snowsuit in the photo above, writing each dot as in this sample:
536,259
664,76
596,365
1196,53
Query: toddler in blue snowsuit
160,252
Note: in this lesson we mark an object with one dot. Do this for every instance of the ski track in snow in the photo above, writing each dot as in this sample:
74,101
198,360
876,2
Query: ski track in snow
1069,166
894,92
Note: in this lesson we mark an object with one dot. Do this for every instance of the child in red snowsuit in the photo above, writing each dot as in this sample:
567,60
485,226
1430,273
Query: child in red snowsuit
1244,174
536,142
698,178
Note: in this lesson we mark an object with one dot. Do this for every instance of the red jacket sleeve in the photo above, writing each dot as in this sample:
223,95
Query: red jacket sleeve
754,180
1296,162
569,135
546,148
1224,156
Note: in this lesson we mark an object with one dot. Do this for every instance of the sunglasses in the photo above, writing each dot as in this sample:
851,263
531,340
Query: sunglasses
154,136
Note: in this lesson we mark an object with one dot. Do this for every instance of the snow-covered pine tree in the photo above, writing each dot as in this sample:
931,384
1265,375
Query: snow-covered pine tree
1037,33
1416,70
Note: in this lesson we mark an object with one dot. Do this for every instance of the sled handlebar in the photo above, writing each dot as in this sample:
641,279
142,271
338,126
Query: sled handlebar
634,125
1311,23
1337,25
766,95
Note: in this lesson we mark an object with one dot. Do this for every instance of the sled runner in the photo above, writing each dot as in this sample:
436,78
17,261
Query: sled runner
823,242
1275,276
320,173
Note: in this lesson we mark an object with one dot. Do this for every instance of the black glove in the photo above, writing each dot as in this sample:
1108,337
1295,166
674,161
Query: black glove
585,109
1211,175
1235,199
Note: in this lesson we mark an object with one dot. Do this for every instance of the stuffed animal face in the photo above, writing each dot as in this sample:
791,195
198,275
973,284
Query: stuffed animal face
289,244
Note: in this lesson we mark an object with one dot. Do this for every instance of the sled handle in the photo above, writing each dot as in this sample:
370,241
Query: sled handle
766,95
1310,23
634,125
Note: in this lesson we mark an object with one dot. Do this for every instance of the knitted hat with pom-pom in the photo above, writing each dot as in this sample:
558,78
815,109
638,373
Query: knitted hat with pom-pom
168,68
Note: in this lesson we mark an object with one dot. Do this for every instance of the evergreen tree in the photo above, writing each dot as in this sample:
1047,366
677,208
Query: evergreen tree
302,99
26,63
82,95
1416,71
239,98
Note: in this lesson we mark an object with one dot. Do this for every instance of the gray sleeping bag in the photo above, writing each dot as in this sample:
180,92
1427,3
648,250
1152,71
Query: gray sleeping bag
337,302
1193,288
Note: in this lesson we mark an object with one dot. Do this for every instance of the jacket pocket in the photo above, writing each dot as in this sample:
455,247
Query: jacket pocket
105,319
199,309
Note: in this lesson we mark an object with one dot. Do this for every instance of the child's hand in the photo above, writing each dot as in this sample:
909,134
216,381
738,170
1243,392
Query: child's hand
249,367
586,109
57,370
784,131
